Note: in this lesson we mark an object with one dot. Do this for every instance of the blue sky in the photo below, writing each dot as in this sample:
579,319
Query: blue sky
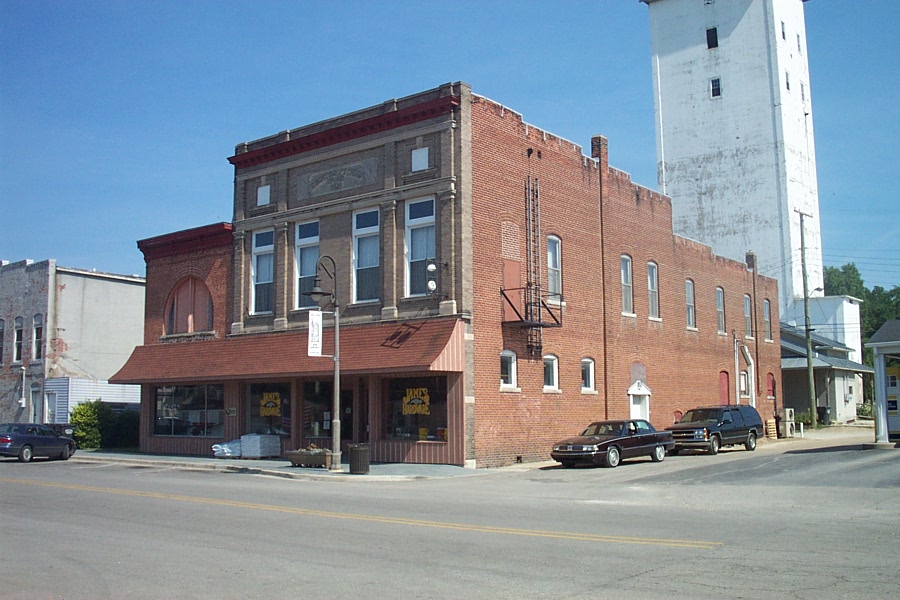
117,118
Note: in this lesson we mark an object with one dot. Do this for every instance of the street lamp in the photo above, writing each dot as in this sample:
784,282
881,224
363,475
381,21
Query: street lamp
322,299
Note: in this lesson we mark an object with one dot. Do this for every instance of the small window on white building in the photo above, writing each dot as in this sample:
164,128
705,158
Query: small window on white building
787,80
419,159
508,369
802,91
712,38
715,87
783,31
799,44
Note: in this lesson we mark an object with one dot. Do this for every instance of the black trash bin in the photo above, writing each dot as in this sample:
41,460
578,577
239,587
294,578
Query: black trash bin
823,414
359,459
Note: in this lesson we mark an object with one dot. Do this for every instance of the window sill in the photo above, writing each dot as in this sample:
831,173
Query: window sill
552,390
508,389
768,341
655,319
587,392
629,314
689,328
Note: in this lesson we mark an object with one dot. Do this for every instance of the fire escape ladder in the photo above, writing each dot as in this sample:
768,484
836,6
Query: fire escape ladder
534,283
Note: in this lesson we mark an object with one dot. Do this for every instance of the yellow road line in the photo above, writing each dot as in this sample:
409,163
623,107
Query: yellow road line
563,535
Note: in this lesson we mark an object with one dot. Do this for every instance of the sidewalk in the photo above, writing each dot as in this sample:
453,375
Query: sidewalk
859,434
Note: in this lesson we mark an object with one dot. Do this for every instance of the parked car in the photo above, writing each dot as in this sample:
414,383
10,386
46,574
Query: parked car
712,427
27,440
606,443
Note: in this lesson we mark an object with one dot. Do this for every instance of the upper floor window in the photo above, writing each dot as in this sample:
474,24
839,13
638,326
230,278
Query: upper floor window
17,349
508,369
653,289
190,308
720,310
263,271
783,31
712,38
767,319
715,87
554,267
799,44
587,375
419,159
551,373
627,291
37,339
745,384
263,195
366,261
2,338
802,92
787,80
689,303
748,316
307,257
419,245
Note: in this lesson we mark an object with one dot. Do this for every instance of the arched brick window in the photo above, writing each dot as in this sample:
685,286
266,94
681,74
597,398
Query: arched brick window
190,308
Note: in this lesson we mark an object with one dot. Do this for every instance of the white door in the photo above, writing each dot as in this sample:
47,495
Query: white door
640,407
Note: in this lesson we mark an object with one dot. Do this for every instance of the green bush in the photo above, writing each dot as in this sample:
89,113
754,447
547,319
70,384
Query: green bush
92,419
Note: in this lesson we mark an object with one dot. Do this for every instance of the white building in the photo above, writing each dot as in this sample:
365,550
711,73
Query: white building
734,132
63,333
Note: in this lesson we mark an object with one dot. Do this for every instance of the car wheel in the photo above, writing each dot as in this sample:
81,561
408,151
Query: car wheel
750,444
714,444
613,457
659,453
65,453
26,454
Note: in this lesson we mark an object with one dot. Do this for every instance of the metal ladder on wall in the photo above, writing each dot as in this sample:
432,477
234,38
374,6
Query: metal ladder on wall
534,283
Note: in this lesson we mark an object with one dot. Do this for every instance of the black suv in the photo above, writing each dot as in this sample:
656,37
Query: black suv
711,427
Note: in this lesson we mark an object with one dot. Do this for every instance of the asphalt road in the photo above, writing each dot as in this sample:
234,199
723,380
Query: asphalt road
815,522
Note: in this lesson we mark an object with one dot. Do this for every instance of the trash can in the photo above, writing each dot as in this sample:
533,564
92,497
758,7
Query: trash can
823,414
359,459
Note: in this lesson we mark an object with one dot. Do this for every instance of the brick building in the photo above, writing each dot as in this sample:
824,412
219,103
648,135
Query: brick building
498,290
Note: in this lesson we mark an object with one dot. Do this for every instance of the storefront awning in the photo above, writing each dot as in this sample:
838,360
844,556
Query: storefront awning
412,346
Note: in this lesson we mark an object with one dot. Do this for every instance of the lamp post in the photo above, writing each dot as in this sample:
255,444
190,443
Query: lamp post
322,299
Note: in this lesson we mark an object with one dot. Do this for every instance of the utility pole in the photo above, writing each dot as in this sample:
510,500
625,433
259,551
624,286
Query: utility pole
809,354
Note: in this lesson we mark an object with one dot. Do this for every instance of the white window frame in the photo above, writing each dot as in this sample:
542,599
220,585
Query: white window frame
588,382
509,357
366,233
653,291
18,339
303,245
720,310
413,224
690,306
767,319
551,361
627,281
37,338
554,268
263,195
744,384
418,159
748,316
258,252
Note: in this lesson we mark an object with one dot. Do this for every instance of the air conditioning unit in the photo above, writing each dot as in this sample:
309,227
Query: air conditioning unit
787,414
786,429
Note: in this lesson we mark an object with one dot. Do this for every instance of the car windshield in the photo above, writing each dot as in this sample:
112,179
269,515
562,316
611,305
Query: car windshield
700,416
603,429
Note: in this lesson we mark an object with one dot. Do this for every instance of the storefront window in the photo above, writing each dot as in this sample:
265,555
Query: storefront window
416,409
190,410
269,409
318,401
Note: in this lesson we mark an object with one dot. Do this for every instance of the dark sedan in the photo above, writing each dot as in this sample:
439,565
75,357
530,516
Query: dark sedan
28,440
608,442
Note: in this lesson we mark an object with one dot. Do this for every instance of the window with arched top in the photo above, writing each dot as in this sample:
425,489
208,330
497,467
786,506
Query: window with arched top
190,308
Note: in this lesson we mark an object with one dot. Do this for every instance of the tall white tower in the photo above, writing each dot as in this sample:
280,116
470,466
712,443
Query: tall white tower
734,133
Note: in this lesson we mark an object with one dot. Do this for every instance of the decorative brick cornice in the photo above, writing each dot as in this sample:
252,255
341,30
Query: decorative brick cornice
188,240
350,131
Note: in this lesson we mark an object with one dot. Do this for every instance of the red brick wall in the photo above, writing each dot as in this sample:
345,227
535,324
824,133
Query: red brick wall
680,366
210,265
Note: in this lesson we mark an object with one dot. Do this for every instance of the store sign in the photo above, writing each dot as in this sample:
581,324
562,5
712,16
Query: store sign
270,405
314,335
417,401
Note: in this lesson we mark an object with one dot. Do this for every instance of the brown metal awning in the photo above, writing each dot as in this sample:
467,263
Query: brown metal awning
412,346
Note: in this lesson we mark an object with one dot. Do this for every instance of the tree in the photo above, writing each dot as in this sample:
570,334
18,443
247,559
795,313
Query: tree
845,281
